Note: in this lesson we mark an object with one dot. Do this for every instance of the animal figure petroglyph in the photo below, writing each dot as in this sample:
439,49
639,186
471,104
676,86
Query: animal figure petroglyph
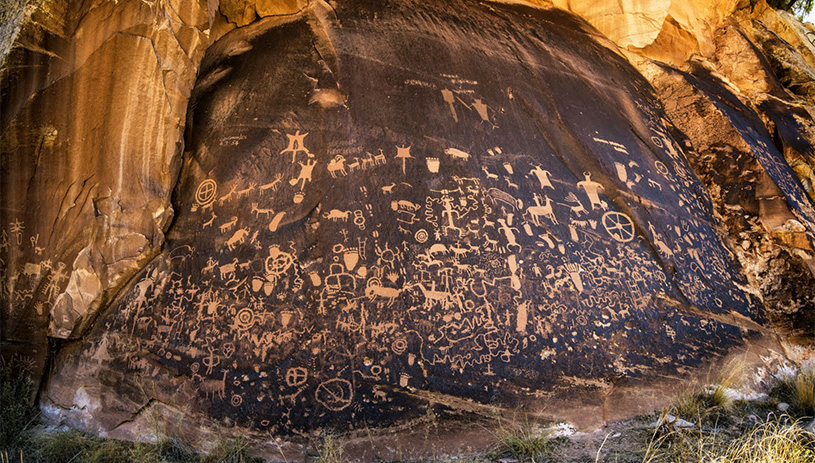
209,222
337,166
228,225
237,238
367,161
257,211
245,191
214,386
380,158
541,210
383,292
489,174
446,299
336,214
227,196
273,184
499,196
228,270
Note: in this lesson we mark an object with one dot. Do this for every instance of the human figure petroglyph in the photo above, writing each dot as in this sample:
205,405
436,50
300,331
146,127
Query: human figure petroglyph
305,173
403,153
55,279
592,190
543,177
16,228
296,145
509,234
34,245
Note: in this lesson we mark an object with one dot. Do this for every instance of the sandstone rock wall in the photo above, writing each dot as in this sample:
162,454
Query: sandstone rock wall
384,208
94,97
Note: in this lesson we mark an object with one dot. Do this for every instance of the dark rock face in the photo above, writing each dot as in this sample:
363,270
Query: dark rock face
385,206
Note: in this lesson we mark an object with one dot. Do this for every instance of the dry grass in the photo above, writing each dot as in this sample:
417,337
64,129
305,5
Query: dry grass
714,399
779,440
525,444
799,392
329,450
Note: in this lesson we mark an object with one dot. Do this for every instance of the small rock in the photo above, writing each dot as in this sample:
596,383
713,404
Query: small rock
676,422
783,406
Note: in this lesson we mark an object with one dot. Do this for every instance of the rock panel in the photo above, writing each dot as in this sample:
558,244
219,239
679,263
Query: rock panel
476,205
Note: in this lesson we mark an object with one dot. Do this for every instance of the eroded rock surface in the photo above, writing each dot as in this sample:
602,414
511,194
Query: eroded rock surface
94,97
385,208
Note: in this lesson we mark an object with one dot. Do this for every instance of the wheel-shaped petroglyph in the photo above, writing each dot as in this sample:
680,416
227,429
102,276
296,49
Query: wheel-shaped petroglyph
205,194
619,226
296,376
335,394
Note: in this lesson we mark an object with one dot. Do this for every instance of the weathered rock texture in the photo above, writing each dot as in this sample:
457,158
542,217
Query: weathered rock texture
384,207
94,98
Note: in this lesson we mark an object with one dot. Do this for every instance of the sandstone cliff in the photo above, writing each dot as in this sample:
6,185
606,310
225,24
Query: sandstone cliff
378,207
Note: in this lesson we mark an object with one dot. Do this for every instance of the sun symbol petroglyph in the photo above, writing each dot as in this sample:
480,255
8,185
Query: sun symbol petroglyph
245,319
421,236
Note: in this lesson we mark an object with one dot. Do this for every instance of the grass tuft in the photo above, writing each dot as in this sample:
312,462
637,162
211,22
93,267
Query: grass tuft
525,444
329,450
799,392
773,441
232,451
17,414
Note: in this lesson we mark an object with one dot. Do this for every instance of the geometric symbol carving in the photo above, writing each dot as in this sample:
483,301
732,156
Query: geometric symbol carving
619,226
